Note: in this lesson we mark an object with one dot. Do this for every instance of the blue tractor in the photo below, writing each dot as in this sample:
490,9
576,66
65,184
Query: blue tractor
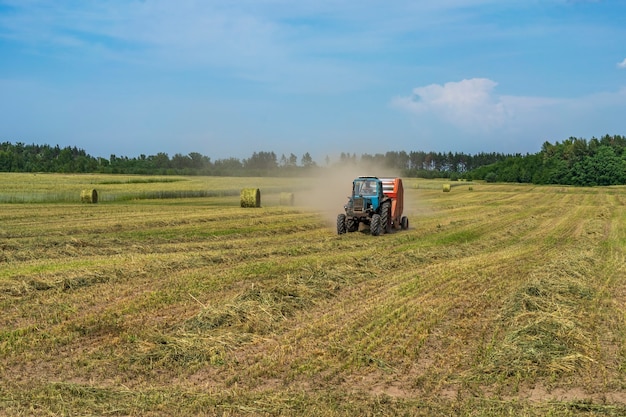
369,205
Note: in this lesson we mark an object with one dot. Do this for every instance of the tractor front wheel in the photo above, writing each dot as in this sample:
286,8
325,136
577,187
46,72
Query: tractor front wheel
385,217
375,225
341,224
351,224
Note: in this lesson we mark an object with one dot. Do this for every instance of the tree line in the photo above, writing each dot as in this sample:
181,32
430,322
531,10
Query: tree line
575,161
20,157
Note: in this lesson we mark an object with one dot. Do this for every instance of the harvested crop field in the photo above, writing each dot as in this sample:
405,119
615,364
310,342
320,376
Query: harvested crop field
169,298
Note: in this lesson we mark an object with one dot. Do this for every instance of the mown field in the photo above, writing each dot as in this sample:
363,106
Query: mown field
167,298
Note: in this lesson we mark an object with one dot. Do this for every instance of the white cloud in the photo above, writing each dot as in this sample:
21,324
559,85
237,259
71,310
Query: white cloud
622,64
471,111
469,104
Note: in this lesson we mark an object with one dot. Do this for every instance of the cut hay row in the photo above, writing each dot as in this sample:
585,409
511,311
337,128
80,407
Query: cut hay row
170,308
419,184
19,197
92,196
60,188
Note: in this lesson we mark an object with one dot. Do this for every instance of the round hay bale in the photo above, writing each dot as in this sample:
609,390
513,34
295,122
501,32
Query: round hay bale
446,188
89,196
250,197
471,188
287,199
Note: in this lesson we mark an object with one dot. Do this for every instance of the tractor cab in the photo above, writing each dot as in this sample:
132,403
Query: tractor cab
367,193
365,187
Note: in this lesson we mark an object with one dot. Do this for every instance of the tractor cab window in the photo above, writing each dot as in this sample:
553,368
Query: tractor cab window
367,187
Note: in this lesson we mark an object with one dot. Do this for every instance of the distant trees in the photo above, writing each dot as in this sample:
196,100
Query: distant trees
307,161
426,164
261,161
18,157
44,158
226,167
574,161
292,162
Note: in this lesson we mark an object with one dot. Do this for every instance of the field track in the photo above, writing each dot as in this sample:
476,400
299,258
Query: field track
500,300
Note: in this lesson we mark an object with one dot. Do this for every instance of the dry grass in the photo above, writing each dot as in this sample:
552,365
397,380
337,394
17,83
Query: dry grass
66,188
506,300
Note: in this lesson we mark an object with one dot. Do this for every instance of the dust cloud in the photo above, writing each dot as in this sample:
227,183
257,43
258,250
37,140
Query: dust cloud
331,186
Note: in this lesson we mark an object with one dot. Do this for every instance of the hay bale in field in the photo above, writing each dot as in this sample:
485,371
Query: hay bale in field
287,199
89,196
250,197
470,188
446,188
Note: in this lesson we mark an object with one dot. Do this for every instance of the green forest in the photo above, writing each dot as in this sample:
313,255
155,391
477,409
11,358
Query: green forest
575,161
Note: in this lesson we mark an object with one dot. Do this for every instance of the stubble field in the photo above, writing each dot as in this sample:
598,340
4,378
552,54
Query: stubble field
167,298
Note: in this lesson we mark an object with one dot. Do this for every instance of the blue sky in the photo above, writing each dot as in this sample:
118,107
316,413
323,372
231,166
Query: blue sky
228,78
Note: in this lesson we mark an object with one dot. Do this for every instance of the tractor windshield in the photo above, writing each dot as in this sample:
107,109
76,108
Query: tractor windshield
365,187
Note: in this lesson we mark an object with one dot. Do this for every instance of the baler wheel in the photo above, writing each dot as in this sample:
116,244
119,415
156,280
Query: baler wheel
404,222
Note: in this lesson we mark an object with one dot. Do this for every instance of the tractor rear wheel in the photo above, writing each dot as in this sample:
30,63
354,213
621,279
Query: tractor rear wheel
341,224
375,225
